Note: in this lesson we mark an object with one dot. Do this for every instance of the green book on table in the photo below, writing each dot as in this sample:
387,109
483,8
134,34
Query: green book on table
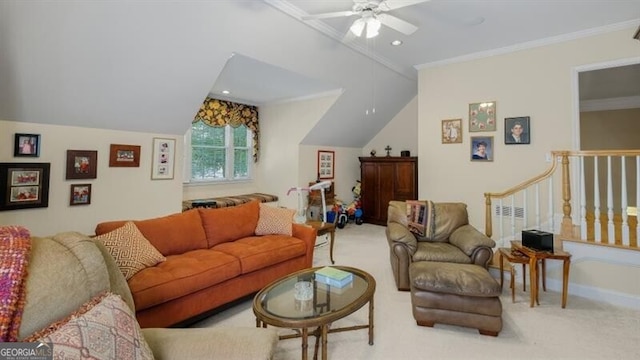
333,276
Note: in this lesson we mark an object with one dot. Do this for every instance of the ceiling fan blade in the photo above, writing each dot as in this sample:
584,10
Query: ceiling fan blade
397,24
329,15
396,4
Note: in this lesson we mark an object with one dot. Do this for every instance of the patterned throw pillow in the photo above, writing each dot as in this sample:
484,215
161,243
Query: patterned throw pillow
130,249
103,328
274,220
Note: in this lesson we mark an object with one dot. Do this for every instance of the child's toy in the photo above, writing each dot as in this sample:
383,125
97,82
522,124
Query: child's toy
351,212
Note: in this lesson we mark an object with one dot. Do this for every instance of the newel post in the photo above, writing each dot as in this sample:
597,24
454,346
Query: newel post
566,229
487,215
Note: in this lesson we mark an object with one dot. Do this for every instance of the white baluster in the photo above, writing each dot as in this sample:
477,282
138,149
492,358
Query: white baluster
513,218
501,218
637,199
623,201
538,206
597,227
611,232
552,226
583,202
525,213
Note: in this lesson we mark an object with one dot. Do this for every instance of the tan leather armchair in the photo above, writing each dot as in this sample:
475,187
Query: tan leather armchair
454,240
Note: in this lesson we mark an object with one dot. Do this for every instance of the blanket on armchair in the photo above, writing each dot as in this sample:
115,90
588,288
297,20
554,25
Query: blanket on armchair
15,245
421,218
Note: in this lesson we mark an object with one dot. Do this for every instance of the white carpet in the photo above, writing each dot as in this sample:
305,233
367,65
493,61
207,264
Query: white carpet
583,330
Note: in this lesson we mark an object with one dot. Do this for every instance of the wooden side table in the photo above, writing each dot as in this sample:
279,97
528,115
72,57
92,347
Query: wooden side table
534,256
513,257
325,228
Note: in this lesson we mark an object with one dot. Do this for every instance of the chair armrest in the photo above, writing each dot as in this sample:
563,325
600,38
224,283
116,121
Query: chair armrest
468,239
212,343
400,234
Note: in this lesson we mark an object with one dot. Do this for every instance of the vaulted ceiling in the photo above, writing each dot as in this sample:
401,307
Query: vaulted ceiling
147,65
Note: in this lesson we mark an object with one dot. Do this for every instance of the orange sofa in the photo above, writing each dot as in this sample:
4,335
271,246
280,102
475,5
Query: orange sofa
213,257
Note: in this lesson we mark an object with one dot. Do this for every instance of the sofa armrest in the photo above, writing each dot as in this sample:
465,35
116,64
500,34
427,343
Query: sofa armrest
212,343
402,245
308,235
400,234
475,244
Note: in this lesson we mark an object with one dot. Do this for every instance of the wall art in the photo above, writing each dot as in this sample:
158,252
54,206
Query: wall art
163,160
26,145
482,116
80,194
452,131
24,185
517,130
82,164
326,164
482,148
124,155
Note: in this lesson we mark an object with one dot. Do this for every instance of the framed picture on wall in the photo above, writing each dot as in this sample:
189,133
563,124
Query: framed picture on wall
517,130
80,194
482,148
326,164
124,155
163,160
24,185
26,145
482,116
452,131
82,164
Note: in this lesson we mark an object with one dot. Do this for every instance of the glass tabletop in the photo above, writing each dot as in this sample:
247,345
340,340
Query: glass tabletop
280,300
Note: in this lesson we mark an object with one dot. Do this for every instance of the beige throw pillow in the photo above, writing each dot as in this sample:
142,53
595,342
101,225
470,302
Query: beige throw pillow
274,220
103,328
130,249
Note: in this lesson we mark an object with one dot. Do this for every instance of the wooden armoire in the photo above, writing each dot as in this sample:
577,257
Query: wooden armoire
384,179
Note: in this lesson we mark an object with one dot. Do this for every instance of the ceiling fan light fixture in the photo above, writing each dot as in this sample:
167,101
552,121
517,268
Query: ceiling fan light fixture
357,27
373,27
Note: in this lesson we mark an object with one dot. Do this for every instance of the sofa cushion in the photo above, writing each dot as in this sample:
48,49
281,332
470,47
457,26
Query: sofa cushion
274,220
130,249
231,223
440,252
171,235
458,279
103,328
182,275
257,252
448,217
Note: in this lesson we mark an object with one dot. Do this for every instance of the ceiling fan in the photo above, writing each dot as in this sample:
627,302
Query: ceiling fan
373,14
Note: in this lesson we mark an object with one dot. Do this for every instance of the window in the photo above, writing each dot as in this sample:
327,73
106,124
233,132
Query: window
219,153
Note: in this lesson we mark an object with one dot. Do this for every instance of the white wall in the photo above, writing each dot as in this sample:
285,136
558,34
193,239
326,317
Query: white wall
535,82
117,193
400,133
347,168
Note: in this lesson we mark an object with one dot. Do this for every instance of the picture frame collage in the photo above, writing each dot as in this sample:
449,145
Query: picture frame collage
25,185
482,118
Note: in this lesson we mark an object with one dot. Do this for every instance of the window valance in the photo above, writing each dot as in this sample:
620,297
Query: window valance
220,113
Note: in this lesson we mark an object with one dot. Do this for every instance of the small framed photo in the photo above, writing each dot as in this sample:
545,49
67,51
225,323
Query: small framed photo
163,161
82,164
517,130
124,155
482,148
24,185
452,131
482,116
26,145
326,164
80,194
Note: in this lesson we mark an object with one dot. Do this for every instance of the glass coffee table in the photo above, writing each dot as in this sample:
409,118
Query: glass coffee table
276,305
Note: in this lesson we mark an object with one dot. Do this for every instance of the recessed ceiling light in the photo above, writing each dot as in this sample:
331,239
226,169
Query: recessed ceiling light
396,42
226,92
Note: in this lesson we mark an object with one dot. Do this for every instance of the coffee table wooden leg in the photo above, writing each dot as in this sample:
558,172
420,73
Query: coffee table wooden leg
371,321
305,344
325,331
332,233
565,280
533,273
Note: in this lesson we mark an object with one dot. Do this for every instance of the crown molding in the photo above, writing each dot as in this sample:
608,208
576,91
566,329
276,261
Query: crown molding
532,44
629,102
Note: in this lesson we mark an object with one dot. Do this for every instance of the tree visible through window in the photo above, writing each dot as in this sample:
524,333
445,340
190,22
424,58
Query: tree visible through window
220,153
